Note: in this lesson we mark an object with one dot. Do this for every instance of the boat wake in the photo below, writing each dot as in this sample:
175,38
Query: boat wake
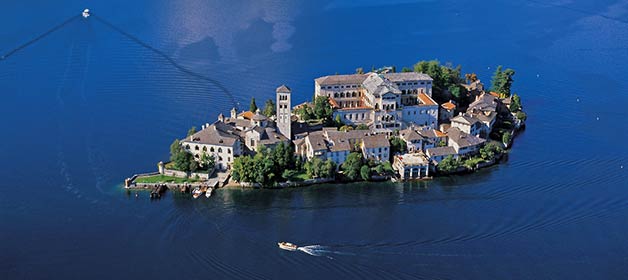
319,251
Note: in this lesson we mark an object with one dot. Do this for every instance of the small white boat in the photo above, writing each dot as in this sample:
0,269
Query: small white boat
209,191
86,13
287,246
196,192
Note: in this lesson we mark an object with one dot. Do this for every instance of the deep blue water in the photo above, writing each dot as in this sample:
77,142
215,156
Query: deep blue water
86,106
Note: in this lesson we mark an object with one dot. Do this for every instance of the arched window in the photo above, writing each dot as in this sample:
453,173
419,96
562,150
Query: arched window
335,95
211,149
187,147
204,148
228,151
196,148
220,150
220,158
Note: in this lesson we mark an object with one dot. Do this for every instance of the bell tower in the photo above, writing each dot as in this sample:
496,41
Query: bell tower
284,111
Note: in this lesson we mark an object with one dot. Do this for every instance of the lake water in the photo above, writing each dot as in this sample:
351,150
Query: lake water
87,106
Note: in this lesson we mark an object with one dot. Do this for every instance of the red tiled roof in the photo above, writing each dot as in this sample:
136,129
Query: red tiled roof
247,115
449,106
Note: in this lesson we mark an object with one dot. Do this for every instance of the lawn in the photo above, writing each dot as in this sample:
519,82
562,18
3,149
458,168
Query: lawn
164,179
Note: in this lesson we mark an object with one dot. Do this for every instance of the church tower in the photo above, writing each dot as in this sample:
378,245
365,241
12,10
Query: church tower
284,111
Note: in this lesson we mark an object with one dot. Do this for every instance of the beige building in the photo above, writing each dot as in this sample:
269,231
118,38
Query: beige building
385,102
412,166
219,140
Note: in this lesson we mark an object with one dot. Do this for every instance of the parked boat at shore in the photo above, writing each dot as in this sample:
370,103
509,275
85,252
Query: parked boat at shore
209,191
196,192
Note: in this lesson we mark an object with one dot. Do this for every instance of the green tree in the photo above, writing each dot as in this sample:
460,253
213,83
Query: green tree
502,81
338,121
490,150
449,164
397,146
379,168
362,127
351,166
365,172
207,161
406,69
515,104
269,108
506,137
179,156
521,116
359,70
322,108
329,169
191,131
253,106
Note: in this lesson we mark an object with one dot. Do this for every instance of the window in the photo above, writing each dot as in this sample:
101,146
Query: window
220,158
204,148
220,150
196,148
228,151
211,149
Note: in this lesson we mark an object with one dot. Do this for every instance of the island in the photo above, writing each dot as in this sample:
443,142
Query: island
422,122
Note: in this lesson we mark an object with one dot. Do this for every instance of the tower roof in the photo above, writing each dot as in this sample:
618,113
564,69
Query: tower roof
283,89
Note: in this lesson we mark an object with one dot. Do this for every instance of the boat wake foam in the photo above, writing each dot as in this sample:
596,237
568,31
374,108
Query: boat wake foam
318,251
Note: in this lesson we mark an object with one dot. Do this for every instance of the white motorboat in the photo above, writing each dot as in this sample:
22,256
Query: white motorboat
86,13
287,246
209,191
196,192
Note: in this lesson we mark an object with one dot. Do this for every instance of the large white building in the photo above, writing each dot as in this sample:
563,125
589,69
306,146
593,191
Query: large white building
384,102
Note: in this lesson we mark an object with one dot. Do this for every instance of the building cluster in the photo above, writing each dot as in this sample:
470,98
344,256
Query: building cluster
389,104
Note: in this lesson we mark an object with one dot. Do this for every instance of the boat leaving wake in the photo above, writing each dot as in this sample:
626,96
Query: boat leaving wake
318,251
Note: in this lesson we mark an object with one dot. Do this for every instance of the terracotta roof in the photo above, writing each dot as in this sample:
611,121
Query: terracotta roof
247,115
448,105
426,99
494,94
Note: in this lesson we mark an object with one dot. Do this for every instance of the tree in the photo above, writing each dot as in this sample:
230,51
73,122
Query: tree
365,172
351,166
191,131
329,169
502,81
253,106
362,127
490,150
338,121
359,70
506,138
179,156
207,161
193,166
269,108
397,146
406,69
515,104
521,116
448,164
379,168
322,108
